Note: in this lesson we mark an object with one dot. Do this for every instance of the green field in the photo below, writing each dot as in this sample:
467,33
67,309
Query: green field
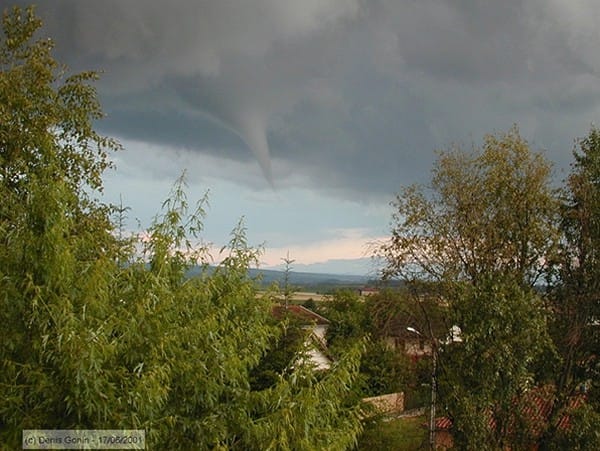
402,434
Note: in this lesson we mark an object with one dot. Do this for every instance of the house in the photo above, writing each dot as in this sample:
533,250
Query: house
368,291
413,346
316,324
399,335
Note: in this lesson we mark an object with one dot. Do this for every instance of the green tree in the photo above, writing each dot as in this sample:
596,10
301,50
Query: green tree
96,336
382,370
488,210
576,288
56,249
582,434
288,290
485,231
349,319
576,282
482,377
282,354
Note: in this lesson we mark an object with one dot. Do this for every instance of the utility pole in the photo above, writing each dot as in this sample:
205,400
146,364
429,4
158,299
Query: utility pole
433,387
433,395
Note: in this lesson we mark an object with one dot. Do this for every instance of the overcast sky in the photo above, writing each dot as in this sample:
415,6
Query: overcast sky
305,117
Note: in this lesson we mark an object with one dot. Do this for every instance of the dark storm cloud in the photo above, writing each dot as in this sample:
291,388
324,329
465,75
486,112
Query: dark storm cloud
354,95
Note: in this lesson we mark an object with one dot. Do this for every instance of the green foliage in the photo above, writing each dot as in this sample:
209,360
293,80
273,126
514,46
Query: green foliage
575,283
287,288
382,370
282,354
56,250
481,378
485,230
392,312
99,336
310,304
349,319
46,120
583,433
402,434
304,412
486,211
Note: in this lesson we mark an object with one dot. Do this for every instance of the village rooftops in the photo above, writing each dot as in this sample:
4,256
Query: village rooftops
302,313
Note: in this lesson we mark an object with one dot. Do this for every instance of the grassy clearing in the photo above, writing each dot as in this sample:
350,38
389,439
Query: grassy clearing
401,434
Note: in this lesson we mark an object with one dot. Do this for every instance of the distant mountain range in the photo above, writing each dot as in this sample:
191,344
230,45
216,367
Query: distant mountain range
359,266
307,279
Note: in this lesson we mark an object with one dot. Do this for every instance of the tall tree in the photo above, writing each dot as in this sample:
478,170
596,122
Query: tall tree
55,242
576,282
96,336
483,376
488,210
483,230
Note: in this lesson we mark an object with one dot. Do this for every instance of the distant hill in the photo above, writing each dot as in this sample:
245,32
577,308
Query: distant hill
357,266
304,279
308,281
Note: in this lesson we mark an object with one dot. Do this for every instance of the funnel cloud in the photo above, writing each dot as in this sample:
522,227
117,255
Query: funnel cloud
352,97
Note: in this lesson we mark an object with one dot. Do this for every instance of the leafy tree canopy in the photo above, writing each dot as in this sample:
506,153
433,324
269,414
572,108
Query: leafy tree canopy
97,336
574,288
488,210
480,236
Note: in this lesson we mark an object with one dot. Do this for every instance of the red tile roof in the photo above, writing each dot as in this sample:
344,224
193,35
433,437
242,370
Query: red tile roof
300,312
535,405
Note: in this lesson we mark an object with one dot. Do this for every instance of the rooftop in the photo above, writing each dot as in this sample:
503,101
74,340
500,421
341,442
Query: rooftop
300,312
